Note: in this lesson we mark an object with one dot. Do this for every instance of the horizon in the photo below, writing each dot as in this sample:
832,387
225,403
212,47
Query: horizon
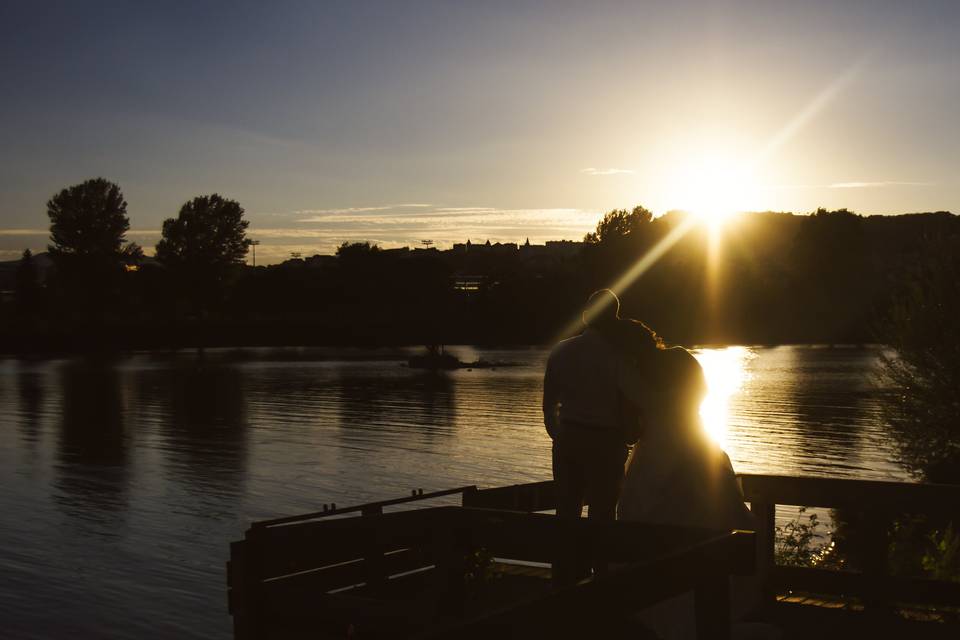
394,124
278,256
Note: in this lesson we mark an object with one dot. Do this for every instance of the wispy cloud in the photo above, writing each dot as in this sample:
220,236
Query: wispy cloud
24,232
883,183
312,231
859,184
611,171
407,226
346,210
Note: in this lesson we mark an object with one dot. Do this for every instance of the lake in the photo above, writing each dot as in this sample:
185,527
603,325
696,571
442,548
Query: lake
123,481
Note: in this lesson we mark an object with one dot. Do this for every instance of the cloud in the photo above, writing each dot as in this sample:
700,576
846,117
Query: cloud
870,185
853,185
24,232
347,210
313,231
455,217
593,171
407,226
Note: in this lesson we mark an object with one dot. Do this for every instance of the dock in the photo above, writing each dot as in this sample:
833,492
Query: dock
483,568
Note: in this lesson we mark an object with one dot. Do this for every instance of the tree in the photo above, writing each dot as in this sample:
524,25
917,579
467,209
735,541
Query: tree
27,283
619,223
356,250
923,329
88,222
208,236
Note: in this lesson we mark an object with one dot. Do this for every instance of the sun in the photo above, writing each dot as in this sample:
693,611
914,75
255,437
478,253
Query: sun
713,186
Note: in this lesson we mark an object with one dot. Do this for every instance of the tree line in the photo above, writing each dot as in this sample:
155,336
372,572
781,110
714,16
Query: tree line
828,277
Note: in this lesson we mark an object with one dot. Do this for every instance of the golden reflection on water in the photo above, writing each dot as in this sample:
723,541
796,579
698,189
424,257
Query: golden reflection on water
725,370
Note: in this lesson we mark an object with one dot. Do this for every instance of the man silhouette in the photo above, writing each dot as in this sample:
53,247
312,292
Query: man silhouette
582,414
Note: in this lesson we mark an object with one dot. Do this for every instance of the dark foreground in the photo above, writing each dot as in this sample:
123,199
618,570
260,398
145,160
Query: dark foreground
482,570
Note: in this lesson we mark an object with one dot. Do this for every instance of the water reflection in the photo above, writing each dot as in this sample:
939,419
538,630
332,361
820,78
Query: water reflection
30,390
401,408
92,449
726,372
206,427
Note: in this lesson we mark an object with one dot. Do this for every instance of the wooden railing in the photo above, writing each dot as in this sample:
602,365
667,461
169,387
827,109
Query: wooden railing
326,577
879,502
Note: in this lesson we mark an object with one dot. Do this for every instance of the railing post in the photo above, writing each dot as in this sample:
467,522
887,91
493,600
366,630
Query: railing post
450,546
247,576
765,514
876,597
373,554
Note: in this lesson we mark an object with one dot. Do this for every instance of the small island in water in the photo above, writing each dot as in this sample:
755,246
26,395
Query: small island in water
438,359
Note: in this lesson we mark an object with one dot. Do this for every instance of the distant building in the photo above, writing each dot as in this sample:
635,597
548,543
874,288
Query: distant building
564,247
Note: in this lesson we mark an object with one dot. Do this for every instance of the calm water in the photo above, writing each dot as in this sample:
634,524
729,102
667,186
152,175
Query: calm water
122,482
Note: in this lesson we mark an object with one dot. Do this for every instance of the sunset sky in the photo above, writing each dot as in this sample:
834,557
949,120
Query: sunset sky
400,121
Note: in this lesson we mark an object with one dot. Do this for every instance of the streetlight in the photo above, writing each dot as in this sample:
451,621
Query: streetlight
254,243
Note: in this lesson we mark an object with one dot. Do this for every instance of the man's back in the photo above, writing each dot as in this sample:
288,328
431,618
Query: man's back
580,383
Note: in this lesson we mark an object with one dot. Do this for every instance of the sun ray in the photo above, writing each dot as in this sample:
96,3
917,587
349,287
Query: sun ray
718,183
820,101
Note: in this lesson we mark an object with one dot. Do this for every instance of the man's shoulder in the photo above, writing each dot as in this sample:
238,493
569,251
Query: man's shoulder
564,350
567,344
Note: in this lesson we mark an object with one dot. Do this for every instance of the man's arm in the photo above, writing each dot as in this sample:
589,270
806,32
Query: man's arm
550,398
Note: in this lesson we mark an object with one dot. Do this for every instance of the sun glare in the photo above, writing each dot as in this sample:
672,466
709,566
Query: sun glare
725,370
712,187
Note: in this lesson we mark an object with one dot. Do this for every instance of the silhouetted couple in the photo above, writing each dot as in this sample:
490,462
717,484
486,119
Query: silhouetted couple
613,387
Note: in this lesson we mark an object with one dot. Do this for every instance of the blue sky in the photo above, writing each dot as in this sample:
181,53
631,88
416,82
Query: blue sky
400,121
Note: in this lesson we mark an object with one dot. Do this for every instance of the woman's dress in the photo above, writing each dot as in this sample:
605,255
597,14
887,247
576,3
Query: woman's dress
676,475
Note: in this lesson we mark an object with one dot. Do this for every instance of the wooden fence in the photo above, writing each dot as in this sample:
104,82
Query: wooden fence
877,502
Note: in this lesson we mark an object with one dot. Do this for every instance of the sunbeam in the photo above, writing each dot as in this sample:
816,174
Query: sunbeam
819,102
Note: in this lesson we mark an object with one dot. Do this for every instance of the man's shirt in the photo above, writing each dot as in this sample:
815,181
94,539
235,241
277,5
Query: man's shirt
581,383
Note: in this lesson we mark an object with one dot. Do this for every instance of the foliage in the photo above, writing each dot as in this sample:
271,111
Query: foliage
797,542
942,560
208,235
922,325
27,283
88,221
478,567
923,547
356,249
619,224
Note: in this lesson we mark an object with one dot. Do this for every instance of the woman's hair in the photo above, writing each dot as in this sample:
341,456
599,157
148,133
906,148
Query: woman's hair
640,338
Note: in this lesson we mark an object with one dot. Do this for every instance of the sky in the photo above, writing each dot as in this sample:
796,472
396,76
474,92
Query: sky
397,122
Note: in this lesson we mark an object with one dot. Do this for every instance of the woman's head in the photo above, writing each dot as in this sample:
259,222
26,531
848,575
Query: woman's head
685,387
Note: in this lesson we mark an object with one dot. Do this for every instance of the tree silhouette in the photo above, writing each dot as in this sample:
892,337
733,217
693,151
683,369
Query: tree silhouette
208,235
203,245
356,250
88,222
922,326
619,223
27,283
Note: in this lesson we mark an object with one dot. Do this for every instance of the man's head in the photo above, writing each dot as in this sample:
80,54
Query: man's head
603,309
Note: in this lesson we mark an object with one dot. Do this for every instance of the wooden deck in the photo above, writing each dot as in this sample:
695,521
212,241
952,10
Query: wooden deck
483,570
